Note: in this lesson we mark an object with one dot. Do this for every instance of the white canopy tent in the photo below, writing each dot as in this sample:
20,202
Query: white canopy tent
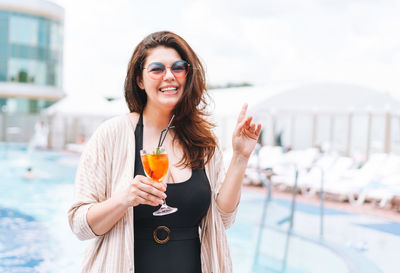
226,104
328,97
74,118
343,117
82,106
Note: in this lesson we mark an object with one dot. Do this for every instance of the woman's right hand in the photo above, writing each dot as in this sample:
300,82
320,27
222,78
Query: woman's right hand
102,216
143,190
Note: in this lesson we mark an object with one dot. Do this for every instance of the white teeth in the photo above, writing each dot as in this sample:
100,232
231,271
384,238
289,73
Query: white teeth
169,89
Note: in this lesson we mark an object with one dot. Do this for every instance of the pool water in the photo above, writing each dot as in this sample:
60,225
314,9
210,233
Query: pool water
34,231
35,235
306,251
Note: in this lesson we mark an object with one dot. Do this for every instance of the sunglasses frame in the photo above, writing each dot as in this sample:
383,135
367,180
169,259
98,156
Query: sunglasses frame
162,74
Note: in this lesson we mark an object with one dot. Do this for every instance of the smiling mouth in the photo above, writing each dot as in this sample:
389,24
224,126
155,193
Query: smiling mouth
169,89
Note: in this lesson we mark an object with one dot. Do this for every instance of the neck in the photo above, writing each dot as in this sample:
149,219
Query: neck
156,117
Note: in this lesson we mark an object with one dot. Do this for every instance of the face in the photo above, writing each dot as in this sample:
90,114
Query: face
163,89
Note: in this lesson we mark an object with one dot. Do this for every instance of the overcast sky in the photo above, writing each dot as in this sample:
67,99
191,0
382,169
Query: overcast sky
258,41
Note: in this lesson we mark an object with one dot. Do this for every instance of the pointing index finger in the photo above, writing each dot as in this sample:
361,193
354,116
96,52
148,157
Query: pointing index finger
242,112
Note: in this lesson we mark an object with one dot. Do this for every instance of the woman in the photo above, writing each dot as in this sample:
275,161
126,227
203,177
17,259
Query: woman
114,200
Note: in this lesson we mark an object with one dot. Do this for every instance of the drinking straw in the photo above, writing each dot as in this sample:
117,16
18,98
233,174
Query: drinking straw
164,132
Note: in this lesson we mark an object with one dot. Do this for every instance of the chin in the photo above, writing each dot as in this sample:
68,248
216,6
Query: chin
169,105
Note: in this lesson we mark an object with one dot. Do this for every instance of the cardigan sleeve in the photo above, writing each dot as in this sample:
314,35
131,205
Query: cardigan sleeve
219,173
90,185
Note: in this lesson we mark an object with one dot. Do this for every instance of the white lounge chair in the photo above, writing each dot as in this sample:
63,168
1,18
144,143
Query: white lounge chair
310,182
351,183
386,185
300,160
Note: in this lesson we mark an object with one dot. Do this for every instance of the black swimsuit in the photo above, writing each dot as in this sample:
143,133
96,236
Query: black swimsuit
181,254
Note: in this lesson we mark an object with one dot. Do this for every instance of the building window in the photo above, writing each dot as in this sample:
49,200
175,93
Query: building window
33,106
24,30
12,105
53,77
27,71
55,36
3,69
43,33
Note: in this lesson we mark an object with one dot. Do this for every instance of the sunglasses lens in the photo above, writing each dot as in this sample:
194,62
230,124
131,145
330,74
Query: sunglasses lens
156,69
179,68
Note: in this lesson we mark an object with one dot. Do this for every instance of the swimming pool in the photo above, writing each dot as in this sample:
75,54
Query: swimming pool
35,236
306,251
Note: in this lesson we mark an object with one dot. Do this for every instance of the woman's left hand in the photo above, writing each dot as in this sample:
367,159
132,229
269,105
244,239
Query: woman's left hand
245,135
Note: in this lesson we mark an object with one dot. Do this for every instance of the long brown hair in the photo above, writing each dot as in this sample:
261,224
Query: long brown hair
192,130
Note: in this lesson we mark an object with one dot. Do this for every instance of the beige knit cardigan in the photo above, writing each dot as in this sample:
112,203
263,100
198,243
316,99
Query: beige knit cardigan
106,165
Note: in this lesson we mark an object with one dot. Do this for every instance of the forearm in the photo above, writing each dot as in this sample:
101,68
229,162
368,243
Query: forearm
229,194
103,216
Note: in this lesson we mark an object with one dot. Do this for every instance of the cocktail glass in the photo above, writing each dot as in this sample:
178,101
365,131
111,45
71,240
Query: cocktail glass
155,165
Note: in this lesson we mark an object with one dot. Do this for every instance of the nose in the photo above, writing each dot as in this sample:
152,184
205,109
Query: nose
168,74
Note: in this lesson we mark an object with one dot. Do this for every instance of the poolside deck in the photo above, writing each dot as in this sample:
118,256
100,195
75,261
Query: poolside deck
368,208
371,234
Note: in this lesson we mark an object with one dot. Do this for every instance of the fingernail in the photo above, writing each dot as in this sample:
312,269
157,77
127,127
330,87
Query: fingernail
164,196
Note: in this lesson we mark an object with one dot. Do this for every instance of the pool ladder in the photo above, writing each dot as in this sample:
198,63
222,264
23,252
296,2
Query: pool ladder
267,182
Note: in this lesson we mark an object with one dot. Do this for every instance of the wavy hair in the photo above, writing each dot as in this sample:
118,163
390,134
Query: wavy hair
192,129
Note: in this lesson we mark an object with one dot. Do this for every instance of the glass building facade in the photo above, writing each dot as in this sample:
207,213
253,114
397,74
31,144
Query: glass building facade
31,57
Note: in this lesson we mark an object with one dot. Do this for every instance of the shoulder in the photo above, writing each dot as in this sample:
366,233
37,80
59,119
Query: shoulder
118,125
118,122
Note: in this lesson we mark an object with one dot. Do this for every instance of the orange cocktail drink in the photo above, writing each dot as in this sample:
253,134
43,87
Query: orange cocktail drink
155,166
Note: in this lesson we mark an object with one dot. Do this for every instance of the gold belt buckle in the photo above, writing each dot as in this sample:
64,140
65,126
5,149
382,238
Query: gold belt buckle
156,239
